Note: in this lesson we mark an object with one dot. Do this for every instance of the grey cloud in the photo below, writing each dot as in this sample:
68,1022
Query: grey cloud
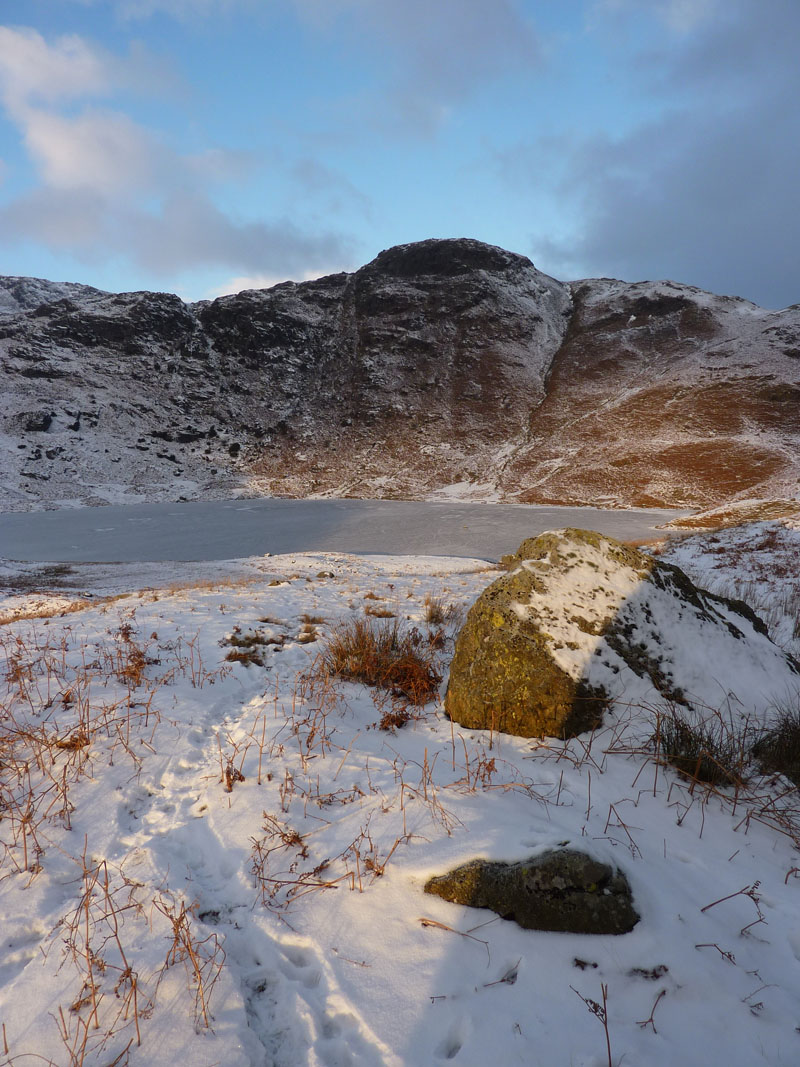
66,220
185,10
330,188
748,45
439,53
451,46
187,232
708,193
190,231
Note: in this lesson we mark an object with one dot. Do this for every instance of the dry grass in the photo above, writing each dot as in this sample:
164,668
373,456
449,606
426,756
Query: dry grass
737,515
379,613
247,647
245,657
52,611
439,612
777,751
710,750
382,655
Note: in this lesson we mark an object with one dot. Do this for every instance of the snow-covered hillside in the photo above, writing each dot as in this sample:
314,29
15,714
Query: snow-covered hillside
446,368
222,861
665,392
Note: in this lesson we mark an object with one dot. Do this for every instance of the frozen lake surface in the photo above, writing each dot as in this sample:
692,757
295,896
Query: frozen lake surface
233,529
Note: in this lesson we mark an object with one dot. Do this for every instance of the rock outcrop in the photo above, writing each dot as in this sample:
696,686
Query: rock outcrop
445,367
560,890
581,621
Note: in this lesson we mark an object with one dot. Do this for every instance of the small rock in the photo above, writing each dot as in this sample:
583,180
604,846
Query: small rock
37,421
562,890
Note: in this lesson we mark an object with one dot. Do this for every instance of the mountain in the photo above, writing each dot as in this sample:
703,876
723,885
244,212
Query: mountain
443,369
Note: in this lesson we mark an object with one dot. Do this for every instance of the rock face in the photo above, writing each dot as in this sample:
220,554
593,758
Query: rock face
445,367
426,360
655,396
562,890
581,622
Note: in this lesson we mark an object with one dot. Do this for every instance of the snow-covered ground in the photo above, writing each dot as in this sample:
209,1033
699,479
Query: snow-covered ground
224,863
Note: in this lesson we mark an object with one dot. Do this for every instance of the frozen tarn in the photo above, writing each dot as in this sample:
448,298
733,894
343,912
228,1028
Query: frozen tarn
232,529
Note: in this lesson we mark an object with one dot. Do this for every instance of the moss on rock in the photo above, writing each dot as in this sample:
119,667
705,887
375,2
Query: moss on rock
561,890
503,675
580,618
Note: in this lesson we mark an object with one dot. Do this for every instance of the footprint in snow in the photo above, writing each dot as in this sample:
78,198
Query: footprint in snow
454,1040
300,966
19,950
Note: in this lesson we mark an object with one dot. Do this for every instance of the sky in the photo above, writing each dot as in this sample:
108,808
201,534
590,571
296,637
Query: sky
204,146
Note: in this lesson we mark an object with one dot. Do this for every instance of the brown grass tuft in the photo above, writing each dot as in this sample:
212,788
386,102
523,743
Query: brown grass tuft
438,612
382,655
778,750
710,750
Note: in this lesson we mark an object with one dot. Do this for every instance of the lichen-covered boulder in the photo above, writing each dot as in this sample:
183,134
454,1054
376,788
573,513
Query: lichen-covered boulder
581,620
562,890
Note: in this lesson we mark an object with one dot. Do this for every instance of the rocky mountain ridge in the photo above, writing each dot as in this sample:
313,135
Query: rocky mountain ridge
446,369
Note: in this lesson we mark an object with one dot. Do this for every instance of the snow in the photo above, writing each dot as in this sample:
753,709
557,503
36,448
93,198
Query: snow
757,562
341,964
591,587
25,294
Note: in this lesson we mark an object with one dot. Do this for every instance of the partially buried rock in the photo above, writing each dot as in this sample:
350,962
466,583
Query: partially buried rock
561,890
581,620
36,421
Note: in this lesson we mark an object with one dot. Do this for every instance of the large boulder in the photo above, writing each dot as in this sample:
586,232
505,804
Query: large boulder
562,890
581,621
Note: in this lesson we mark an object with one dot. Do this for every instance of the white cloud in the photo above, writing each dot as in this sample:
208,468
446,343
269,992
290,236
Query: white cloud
259,281
103,151
111,187
33,71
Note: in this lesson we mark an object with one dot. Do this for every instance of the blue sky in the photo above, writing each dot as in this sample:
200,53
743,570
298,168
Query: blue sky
199,146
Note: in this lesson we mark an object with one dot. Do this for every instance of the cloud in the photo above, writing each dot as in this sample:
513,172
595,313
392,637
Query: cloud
185,232
110,187
330,187
258,281
33,71
180,9
682,16
431,54
705,193
435,54
190,230
183,10
95,149
105,152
